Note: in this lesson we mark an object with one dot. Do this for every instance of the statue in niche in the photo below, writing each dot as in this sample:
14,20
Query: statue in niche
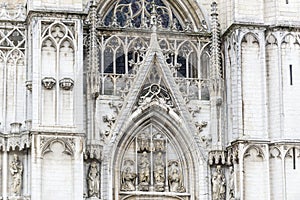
218,184
93,180
128,177
175,177
231,183
16,170
143,143
144,172
159,172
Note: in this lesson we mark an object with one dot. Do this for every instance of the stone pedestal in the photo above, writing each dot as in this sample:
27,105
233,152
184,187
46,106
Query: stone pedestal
15,127
93,198
16,198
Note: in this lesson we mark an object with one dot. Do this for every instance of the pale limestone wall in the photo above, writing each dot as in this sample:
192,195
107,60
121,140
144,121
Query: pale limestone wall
267,12
273,82
58,5
261,104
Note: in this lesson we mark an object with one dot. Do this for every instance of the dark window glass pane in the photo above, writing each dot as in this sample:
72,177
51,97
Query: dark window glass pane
108,61
182,70
120,63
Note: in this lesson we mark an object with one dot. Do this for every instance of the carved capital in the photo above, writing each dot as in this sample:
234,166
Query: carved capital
48,82
66,83
15,127
20,141
217,157
93,151
28,85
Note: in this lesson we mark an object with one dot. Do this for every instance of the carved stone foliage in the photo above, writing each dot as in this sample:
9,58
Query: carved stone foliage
151,164
218,184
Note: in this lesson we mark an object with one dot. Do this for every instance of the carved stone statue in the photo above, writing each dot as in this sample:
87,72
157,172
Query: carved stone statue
175,177
159,173
93,180
144,172
159,145
128,178
218,184
144,144
231,184
16,170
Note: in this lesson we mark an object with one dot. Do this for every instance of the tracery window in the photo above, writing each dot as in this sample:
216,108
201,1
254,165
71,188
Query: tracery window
124,37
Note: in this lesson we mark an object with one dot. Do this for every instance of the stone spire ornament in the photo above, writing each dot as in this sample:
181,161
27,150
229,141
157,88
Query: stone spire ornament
154,46
216,81
93,73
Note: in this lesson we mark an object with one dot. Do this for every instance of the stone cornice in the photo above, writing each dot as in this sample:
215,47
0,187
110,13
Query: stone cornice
260,26
12,141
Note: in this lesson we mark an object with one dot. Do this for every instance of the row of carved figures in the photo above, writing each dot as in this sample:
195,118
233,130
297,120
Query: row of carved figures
219,184
172,181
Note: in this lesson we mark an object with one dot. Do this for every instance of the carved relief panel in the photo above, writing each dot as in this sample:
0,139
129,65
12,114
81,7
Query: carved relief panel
151,164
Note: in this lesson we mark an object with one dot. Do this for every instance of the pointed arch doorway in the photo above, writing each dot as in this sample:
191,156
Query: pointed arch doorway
152,160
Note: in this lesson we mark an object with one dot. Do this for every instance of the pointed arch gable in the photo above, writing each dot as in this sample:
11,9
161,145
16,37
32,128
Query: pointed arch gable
191,163
186,10
177,124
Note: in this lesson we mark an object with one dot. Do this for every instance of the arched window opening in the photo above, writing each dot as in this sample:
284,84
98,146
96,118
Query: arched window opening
125,38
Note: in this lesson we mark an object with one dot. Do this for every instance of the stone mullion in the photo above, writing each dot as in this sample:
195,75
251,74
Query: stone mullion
4,94
262,47
281,110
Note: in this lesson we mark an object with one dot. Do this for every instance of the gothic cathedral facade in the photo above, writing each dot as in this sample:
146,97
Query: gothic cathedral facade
149,99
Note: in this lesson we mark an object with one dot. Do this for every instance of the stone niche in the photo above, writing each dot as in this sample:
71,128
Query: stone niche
152,167
57,173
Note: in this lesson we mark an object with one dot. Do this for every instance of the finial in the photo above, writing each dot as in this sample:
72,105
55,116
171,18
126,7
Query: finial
153,7
153,21
93,2
214,8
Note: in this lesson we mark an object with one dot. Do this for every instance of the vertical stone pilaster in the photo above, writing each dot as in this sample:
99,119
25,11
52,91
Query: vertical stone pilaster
216,82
